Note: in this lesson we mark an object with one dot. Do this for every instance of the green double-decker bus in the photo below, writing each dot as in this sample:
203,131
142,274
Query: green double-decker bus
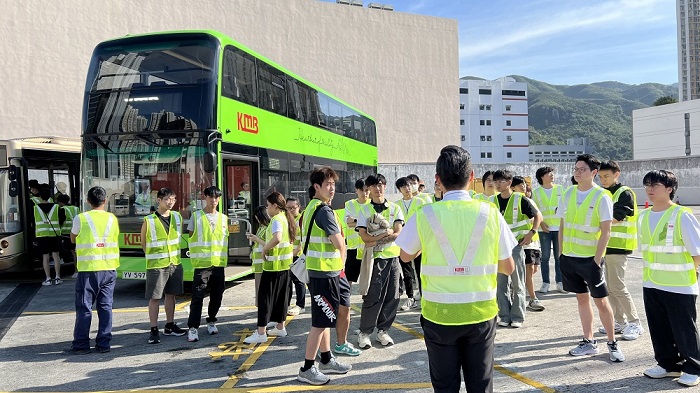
190,109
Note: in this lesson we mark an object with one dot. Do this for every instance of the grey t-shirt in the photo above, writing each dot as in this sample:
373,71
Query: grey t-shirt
325,219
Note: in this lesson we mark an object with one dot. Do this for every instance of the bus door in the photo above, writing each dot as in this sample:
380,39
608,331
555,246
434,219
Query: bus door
240,197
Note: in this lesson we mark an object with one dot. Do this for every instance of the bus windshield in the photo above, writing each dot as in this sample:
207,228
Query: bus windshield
132,170
9,206
134,85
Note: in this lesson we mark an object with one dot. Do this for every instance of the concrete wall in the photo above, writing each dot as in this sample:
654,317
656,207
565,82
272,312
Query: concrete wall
687,170
399,68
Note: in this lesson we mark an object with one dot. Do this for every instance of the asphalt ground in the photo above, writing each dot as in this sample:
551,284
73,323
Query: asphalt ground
533,358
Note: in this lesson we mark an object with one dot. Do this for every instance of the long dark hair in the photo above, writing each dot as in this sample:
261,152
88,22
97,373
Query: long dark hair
278,199
261,217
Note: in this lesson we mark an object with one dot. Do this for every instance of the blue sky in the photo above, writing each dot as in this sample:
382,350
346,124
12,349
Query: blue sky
561,42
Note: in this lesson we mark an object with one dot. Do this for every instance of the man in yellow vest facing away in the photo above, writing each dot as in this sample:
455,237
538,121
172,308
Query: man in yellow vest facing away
96,237
160,239
330,290
585,213
669,238
48,234
66,214
547,197
208,242
623,240
465,243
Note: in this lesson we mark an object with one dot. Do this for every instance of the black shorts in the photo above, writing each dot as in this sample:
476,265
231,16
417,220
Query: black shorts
344,286
352,266
325,298
47,245
66,244
533,257
581,275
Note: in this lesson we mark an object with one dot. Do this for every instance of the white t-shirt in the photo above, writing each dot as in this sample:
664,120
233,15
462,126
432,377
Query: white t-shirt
605,208
690,230
276,226
409,241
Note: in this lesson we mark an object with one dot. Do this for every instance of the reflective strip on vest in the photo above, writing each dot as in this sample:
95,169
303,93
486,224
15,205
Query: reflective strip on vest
321,255
518,222
548,205
670,268
46,226
156,256
279,257
207,250
71,212
581,233
623,234
100,252
459,298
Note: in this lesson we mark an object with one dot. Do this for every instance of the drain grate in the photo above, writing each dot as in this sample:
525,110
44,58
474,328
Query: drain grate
14,304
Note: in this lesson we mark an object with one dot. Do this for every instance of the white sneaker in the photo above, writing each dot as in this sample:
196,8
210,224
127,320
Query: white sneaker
615,352
632,331
296,310
75,275
256,338
658,372
364,341
211,328
502,323
560,287
270,325
277,332
384,338
544,288
689,379
409,304
516,324
618,329
47,282
192,335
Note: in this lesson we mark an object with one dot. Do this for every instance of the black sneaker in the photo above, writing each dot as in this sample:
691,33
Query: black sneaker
102,349
76,351
154,337
172,329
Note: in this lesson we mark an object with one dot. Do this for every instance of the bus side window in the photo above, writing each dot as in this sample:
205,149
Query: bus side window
239,76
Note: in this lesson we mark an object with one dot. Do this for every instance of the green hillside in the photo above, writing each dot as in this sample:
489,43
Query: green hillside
601,112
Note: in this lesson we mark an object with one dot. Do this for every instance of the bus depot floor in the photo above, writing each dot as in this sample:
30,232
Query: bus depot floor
533,358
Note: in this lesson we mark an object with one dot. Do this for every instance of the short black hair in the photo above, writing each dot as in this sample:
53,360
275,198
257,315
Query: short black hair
543,171
590,160
244,183
260,214
518,180
373,180
96,196
63,198
164,193
484,177
413,177
319,175
34,183
292,199
312,192
454,167
45,193
502,174
609,166
667,178
212,191
360,184
401,182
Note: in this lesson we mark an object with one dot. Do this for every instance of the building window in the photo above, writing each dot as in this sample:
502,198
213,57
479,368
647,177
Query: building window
488,107
508,108
461,122
463,90
483,155
482,107
483,138
509,138
464,138
509,155
517,93
488,122
486,92
488,154
461,106
488,138
509,123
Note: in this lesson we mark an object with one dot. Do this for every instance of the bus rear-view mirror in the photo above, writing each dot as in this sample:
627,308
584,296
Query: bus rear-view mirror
13,172
13,190
209,162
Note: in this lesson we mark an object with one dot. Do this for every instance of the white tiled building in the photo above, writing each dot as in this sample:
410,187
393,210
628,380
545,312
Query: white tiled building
688,18
493,120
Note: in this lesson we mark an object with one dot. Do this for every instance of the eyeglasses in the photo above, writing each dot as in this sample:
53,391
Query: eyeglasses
501,181
170,199
653,186
581,170
379,185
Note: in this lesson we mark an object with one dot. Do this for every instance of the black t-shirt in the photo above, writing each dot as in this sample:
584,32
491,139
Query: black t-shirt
526,207
165,221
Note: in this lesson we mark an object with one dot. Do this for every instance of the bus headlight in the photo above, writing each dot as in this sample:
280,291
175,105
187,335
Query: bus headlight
4,243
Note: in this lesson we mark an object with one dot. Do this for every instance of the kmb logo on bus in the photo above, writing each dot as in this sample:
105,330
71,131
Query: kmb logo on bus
247,123
132,239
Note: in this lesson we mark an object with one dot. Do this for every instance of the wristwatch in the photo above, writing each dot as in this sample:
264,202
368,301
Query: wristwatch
533,231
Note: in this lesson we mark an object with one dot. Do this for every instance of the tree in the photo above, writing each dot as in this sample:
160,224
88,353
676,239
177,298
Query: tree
665,100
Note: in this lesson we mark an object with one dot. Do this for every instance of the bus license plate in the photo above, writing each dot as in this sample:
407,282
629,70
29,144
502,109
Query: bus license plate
134,275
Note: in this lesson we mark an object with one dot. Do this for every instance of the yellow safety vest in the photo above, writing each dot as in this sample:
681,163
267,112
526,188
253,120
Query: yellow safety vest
256,255
97,243
46,225
460,241
279,258
582,223
71,212
623,235
427,198
518,222
353,237
548,205
208,248
389,250
413,206
163,249
297,241
321,255
666,260
365,211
